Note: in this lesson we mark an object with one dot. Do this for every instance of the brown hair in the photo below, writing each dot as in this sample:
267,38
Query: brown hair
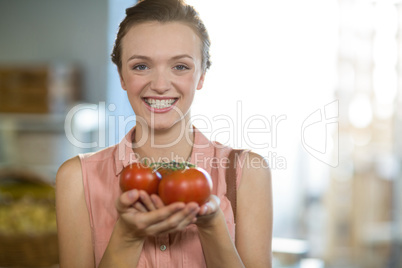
162,11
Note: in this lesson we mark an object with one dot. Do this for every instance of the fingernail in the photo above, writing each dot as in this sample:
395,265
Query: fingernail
193,210
132,194
204,210
179,207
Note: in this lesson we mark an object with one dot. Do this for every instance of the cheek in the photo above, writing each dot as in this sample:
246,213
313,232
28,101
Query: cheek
135,85
188,83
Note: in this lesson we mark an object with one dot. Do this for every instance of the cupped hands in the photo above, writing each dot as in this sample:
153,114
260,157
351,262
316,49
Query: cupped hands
143,215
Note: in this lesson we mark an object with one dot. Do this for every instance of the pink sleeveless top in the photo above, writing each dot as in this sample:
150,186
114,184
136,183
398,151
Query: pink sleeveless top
101,185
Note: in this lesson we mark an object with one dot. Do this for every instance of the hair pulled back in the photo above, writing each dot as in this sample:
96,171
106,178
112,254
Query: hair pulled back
162,11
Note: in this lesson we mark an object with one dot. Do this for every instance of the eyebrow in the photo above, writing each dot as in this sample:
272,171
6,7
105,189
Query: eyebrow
148,58
182,56
138,57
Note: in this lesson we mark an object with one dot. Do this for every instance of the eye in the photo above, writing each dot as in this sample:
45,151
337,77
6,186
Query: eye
140,67
181,67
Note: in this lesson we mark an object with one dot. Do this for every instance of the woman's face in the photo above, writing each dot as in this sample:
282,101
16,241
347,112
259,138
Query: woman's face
161,69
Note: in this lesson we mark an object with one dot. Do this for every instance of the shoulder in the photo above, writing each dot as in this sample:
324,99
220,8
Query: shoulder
70,172
101,155
255,164
100,162
256,176
69,175
71,165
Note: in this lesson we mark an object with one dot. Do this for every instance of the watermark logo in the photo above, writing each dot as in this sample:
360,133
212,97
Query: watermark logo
319,131
320,134
256,132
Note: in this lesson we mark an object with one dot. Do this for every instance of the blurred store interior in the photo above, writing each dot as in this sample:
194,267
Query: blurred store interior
317,84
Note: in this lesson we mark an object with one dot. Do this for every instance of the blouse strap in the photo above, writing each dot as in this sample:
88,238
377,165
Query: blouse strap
231,177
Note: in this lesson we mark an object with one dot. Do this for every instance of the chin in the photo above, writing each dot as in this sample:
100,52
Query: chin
165,125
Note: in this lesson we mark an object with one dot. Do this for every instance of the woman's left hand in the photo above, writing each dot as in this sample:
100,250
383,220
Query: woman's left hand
208,212
206,216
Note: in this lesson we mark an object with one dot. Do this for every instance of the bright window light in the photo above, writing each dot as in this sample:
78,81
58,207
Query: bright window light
360,111
273,64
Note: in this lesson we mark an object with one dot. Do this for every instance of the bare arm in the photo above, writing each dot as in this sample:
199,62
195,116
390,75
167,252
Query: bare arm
123,251
254,213
253,226
137,221
219,249
125,245
74,232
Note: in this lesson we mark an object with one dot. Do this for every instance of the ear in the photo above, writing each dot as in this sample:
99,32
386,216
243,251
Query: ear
201,81
123,84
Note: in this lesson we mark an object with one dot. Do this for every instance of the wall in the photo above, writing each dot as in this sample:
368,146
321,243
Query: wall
51,31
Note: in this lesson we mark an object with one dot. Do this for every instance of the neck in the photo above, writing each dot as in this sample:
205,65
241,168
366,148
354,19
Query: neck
164,145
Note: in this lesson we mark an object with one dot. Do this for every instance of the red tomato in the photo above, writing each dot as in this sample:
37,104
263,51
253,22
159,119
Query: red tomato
140,177
188,185
165,171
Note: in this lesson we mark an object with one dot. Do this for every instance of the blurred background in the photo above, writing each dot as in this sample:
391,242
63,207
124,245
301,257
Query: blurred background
313,86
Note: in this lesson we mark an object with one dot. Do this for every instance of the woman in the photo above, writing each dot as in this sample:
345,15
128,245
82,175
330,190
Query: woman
162,55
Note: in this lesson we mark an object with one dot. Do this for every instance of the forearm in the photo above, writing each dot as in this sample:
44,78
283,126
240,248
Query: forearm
219,249
120,251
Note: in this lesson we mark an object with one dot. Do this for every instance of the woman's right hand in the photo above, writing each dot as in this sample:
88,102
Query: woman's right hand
142,215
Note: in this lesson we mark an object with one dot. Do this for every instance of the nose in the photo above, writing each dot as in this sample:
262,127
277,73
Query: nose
160,82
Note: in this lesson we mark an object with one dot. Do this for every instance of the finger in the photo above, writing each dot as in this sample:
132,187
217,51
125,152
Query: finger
176,221
214,199
191,218
158,203
160,215
203,210
211,206
140,207
146,201
126,200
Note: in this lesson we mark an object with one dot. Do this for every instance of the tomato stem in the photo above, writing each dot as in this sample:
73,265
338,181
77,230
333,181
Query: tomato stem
172,165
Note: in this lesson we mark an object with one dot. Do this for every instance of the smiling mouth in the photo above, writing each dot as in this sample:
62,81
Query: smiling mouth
159,104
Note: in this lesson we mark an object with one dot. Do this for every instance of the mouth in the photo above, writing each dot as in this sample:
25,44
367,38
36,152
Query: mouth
160,103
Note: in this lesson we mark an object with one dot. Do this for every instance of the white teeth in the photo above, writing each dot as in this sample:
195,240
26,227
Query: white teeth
159,104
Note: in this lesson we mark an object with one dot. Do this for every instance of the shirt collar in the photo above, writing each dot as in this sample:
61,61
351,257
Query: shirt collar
203,151
124,154
201,155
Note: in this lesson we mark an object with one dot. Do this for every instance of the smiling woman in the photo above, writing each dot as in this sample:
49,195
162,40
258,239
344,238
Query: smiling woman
161,68
162,56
